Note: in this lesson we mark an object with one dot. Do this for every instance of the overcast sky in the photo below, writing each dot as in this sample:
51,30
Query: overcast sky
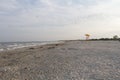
34,20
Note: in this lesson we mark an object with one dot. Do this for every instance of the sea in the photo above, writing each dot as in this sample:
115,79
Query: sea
15,45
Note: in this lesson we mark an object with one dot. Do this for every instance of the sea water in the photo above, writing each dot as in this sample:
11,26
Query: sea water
15,45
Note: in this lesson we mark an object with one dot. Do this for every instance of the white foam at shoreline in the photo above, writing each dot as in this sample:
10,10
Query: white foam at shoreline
1,49
23,45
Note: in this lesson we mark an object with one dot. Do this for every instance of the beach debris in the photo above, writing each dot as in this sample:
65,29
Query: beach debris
31,48
51,47
41,47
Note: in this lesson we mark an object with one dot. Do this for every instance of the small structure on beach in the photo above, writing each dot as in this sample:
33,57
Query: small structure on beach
87,36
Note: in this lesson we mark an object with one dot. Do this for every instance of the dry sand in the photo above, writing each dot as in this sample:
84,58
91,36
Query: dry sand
72,60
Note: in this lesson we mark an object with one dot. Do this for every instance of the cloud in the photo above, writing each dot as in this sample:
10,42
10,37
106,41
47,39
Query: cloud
56,12
71,16
50,9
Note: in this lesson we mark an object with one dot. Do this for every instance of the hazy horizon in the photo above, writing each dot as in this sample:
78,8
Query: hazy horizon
46,20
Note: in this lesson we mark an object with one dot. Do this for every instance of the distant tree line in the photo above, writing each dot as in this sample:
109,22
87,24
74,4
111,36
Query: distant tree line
115,37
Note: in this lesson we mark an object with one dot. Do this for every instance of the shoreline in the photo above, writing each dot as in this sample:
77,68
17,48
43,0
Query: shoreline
47,45
28,46
42,44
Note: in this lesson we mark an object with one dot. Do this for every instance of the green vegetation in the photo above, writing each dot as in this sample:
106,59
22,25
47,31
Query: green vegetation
115,37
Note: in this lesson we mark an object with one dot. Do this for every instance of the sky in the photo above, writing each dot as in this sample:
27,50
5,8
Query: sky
44,20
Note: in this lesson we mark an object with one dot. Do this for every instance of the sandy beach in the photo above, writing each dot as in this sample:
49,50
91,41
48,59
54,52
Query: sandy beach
71,60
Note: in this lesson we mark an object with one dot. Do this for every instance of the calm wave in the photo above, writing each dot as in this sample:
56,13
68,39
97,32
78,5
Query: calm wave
14,45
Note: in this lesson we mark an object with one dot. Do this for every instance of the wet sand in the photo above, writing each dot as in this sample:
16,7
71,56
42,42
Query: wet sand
71,60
